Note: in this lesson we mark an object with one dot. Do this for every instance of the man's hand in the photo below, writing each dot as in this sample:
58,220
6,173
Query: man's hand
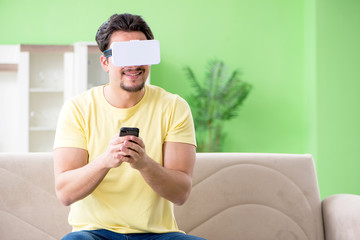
171,180
132,151
114,156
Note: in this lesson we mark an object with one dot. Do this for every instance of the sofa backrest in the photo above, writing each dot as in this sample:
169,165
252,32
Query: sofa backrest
253,196
29,208
234,196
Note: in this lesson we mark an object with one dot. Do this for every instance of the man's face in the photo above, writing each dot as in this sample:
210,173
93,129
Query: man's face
130,78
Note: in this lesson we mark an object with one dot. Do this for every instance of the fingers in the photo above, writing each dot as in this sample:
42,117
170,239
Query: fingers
137,140
115,141
129,149
132,150
113,153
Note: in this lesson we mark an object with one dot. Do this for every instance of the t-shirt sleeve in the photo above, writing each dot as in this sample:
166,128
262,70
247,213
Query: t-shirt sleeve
70,130
181,124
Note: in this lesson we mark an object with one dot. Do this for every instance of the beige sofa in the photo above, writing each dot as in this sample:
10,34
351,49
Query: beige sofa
235,196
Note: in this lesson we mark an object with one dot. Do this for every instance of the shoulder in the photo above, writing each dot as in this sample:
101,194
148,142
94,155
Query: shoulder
85,99
162,95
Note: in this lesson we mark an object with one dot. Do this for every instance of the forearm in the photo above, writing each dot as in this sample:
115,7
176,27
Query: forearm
76,184
173,181
173,185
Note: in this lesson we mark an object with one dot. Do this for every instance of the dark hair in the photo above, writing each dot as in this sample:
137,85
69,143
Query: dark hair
121,22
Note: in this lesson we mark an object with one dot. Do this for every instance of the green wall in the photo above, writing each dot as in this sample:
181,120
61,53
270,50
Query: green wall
338,96
300,56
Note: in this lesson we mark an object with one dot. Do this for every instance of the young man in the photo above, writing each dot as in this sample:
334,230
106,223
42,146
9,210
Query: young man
124,187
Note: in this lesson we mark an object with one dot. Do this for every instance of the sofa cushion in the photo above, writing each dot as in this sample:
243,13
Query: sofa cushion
29,208
253,196
341,216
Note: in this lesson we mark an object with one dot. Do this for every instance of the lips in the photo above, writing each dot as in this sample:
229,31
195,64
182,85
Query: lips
133,72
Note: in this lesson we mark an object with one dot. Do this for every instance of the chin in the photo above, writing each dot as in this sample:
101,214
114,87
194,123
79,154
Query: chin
135,88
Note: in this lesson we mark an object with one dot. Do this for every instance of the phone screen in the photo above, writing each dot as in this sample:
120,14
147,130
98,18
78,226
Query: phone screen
125,131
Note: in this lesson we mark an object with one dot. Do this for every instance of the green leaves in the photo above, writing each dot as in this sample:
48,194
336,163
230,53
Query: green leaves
216,99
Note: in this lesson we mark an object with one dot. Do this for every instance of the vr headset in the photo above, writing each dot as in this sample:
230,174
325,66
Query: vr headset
134,53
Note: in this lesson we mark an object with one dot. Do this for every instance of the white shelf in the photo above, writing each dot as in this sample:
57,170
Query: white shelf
42,129
37,79
46,90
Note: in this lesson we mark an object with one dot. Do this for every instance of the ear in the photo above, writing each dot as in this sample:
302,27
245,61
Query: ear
104,63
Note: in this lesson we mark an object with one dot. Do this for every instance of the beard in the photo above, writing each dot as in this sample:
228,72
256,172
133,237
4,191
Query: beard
136,88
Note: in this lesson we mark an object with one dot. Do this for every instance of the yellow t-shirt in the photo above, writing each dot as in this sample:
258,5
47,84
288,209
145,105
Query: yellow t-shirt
124,202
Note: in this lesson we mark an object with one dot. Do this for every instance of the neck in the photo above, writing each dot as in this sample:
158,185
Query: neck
120,98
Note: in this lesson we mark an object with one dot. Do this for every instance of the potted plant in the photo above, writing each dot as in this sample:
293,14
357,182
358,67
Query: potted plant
215,100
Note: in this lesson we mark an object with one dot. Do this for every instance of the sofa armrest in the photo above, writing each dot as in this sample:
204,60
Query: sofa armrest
341,215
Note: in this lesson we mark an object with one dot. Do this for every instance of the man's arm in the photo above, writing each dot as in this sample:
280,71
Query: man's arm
173,181
75,178
179,161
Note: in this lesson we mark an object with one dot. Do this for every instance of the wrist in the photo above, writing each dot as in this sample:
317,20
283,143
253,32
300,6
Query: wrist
101,163
146,165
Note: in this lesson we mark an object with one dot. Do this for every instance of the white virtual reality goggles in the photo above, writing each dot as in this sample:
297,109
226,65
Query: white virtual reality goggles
134,53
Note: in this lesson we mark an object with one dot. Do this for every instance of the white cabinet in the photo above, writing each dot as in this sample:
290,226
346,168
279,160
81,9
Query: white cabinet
45,73
88,71
35,80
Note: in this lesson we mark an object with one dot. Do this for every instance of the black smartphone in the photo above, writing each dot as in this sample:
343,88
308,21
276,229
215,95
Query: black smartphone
124,131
